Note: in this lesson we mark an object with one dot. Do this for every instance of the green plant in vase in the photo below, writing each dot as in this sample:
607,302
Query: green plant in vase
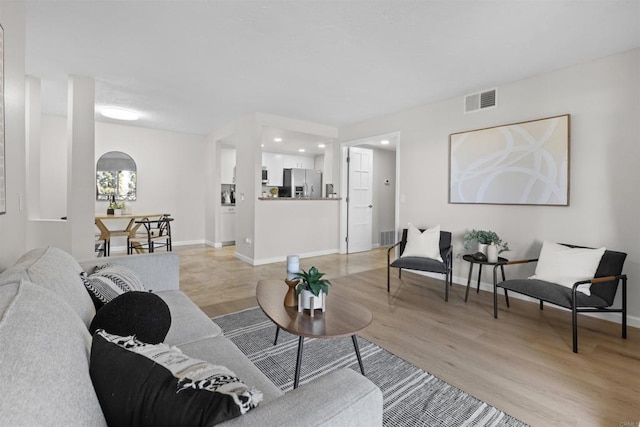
485,237
312,281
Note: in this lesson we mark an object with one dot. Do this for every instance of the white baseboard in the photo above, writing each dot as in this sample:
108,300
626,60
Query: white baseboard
633,321
244,258
281,258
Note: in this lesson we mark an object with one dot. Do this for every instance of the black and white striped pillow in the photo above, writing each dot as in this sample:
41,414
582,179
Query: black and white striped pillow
110,280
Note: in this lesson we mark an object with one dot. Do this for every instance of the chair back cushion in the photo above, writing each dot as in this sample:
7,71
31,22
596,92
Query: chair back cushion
445,241
611,264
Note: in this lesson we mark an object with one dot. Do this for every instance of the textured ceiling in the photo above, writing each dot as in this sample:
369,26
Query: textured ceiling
192,66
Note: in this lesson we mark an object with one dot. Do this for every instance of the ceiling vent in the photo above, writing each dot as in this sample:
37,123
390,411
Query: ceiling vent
480,101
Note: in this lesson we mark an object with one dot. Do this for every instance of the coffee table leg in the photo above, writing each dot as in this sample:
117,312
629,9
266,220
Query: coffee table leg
298,362
355,345
275,341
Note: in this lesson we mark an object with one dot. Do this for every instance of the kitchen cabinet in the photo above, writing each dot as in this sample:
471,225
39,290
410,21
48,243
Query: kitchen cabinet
301,162
275,164
227,165
228,224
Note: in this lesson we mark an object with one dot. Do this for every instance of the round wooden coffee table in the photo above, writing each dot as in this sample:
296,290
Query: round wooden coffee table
341,318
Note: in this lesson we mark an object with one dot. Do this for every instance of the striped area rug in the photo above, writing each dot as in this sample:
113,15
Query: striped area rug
412,397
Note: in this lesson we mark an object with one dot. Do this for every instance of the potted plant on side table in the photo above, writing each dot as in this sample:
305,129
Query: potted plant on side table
311,290
489,243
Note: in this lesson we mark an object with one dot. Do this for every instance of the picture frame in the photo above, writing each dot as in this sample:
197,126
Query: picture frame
3,173
524,163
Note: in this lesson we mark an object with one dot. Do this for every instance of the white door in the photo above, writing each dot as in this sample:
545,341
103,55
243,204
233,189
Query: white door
360,200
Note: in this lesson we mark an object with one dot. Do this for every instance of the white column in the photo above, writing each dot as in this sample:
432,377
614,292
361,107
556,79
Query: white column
81,182
33,119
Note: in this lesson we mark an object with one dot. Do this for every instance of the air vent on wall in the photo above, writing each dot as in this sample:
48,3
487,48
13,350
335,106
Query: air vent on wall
480,101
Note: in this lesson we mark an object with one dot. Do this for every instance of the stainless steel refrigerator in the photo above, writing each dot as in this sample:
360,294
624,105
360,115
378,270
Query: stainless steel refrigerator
303,182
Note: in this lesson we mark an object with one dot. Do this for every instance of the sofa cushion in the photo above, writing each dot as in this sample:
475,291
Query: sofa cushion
141,384
58,271
188,322
221,351
44,361
110,280
142,314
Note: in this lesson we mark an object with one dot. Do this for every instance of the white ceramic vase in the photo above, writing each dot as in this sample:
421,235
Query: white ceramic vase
492,253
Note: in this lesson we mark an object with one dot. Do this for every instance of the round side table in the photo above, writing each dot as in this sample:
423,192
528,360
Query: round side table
469,258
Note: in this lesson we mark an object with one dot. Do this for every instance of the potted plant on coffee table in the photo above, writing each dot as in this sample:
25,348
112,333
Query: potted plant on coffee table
311,290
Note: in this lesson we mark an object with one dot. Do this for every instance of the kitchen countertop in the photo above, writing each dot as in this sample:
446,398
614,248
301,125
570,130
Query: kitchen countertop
228,204
299,199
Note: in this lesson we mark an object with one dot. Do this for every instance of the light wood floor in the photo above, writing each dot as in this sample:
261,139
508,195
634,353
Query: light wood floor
521,363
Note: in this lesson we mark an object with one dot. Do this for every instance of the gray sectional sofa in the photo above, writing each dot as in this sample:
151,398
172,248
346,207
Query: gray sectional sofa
45,346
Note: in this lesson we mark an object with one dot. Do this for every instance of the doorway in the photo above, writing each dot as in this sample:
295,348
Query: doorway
369,177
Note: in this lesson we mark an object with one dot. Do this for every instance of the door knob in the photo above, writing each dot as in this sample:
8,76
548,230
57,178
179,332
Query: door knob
370,206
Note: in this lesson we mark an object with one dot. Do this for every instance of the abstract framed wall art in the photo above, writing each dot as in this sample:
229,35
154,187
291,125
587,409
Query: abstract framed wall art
3,173
523,163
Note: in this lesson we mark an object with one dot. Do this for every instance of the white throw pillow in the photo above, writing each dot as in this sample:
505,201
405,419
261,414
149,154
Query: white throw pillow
565,266
423,244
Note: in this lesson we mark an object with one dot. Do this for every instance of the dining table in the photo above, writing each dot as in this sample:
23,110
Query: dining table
130,230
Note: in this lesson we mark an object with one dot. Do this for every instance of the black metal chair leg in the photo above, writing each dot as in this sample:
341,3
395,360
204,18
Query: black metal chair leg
275,341
624,307
574,322
446,289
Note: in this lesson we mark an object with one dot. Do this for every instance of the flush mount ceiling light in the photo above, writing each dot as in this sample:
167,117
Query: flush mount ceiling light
321,145
384,142
277,139
119,113
301,150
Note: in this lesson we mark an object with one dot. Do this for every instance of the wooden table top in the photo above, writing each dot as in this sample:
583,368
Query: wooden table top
128,216
341,318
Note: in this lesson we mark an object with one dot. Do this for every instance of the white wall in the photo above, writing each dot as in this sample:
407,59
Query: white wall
384,196
171,171
603,98
13,223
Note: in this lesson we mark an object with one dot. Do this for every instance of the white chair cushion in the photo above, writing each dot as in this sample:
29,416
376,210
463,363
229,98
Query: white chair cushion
424,244
565,266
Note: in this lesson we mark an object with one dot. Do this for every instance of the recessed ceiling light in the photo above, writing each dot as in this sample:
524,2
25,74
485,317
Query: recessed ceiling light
119,113
261,145
384,142
277,139
321,145
301,150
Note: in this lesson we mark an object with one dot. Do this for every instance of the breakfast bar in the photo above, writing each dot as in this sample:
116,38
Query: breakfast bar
303,226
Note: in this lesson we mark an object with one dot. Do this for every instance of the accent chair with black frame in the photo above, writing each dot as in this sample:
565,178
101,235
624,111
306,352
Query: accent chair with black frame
423,263
604,286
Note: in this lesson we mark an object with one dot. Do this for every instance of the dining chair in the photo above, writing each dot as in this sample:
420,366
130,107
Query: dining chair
156,233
